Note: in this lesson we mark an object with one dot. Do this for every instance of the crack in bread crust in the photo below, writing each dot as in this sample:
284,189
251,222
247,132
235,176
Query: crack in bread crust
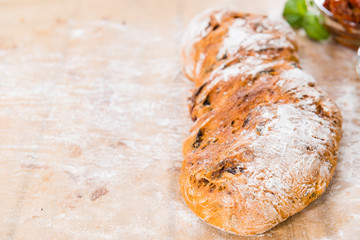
265,139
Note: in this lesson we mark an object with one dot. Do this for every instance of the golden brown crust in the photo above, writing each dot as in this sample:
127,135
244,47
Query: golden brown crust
265,139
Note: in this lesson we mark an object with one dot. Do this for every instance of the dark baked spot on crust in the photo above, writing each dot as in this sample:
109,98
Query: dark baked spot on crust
202,182
319,138
309,148
198,139
271,91
216,26
260,127
231,170
212,186
217,174
246,121
235,170
206,101
320,110
223,57
198,91
270,71
209,25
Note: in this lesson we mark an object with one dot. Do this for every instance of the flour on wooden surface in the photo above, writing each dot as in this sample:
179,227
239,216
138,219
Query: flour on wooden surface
104,111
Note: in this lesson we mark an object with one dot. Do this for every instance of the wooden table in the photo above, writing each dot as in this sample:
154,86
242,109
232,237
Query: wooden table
93,113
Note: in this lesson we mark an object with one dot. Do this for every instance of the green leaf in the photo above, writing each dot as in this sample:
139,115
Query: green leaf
294,12
313,27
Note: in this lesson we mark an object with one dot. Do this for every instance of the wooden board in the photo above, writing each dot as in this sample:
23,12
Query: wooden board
93,113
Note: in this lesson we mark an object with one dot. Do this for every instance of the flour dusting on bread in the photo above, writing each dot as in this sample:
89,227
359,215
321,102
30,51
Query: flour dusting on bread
265,139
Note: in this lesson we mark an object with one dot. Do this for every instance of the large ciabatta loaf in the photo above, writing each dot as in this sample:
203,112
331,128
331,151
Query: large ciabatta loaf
265,139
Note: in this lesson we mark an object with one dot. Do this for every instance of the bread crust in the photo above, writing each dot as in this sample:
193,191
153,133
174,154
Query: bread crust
265,140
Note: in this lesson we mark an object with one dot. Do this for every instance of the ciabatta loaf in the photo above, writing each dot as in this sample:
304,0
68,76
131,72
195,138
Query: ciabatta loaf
265,140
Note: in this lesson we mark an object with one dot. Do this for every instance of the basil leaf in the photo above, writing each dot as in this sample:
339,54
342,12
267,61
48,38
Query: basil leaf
294,12
313,27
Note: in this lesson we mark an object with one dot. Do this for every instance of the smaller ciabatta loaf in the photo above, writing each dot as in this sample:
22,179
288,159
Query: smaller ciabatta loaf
265,140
